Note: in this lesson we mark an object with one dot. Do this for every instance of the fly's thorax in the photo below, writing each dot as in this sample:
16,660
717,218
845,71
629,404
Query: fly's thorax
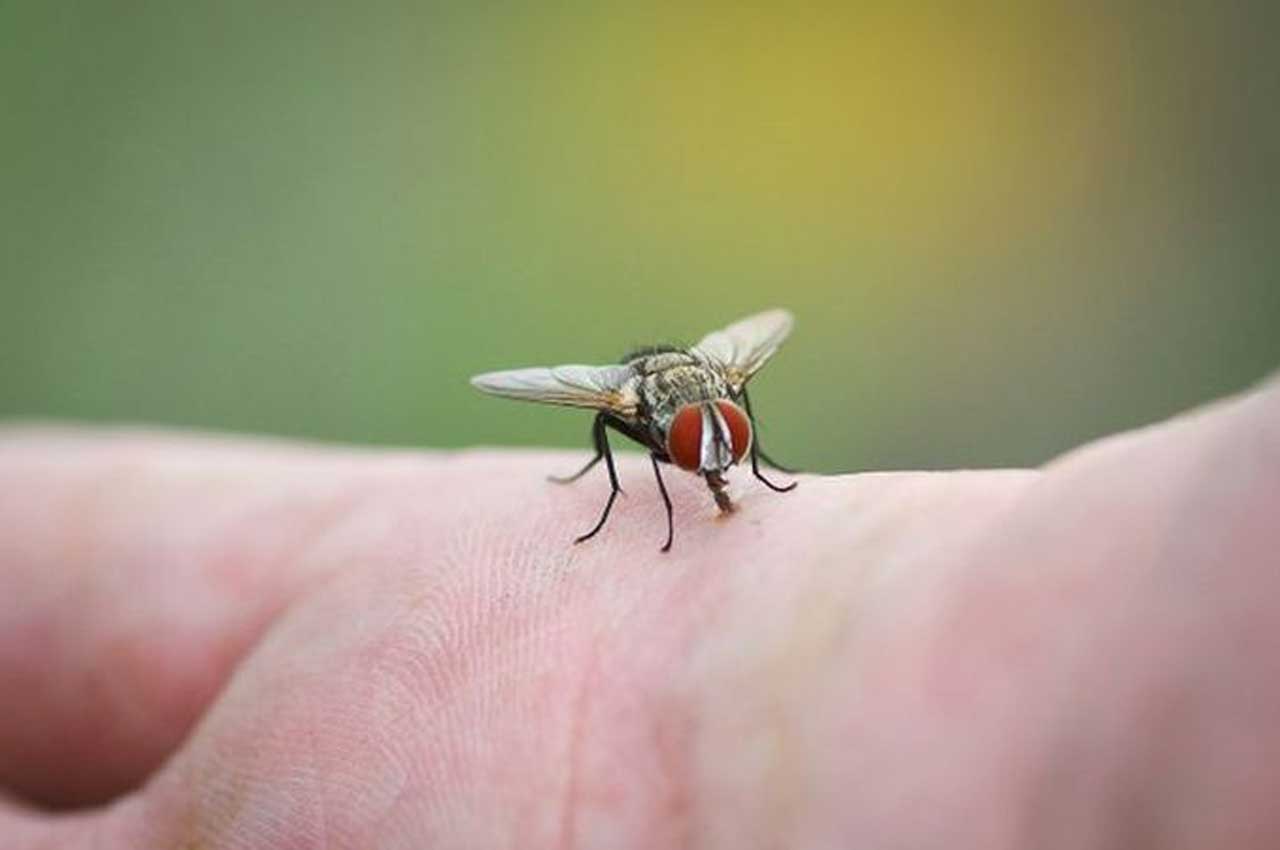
669,381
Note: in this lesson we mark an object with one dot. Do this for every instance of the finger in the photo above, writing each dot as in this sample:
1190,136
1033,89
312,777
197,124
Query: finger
1117,641
135,569
481,681
126,825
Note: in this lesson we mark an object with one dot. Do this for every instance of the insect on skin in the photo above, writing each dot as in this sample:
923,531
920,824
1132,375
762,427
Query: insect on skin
688,407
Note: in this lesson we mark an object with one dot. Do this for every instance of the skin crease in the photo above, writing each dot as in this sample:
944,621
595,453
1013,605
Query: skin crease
248,644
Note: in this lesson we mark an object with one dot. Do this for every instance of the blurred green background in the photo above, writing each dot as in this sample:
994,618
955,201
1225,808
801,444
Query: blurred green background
1003,231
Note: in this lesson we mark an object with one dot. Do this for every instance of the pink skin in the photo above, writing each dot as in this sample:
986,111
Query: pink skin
258,645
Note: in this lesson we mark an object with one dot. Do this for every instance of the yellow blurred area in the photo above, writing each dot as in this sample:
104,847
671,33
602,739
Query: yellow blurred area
817,121
810,128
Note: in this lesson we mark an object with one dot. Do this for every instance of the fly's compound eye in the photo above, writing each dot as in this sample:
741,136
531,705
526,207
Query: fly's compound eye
739,428
684,439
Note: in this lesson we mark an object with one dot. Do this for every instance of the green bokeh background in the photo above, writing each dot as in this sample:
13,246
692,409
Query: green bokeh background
1003,232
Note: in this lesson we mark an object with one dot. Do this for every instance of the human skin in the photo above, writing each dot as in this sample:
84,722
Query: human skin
253,644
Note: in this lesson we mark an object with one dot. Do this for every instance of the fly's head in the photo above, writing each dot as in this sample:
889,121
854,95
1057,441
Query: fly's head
708,437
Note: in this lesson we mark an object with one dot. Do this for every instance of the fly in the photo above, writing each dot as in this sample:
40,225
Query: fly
688,407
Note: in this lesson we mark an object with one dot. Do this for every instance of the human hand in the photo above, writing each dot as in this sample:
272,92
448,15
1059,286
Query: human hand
262,645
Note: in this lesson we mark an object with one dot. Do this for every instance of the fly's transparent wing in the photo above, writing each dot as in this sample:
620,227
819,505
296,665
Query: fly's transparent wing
609,388
740,350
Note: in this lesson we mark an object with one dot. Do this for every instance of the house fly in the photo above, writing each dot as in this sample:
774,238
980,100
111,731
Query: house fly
687,406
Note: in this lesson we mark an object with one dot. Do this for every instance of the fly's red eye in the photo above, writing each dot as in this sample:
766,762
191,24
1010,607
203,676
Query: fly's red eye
739,428
684,440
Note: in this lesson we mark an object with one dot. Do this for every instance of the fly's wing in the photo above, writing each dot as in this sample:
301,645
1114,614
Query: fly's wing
740,350
608,388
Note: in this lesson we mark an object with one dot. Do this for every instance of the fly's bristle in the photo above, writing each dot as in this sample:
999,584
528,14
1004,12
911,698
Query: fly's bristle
649,350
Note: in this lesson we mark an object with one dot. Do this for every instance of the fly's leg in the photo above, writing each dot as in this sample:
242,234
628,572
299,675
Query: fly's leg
602,449
755,470
569,479
666,500
757,454
755,443
764,457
